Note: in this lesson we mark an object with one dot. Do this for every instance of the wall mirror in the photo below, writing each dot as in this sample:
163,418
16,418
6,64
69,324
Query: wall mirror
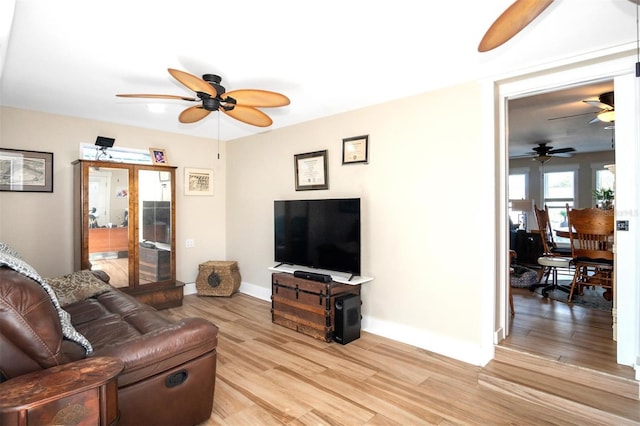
155,233
108,234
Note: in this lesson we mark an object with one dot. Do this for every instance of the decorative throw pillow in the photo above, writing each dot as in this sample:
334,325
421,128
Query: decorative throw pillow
8,258
77,286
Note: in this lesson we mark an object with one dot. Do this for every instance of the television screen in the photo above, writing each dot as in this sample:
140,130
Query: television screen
156,221
321,234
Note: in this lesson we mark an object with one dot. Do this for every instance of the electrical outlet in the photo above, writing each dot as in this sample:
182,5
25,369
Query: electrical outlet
190,243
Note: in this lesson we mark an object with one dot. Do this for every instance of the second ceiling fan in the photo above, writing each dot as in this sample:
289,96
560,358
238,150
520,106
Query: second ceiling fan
239,104
544,152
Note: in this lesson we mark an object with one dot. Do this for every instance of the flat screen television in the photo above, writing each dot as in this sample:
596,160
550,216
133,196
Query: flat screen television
320,234
156,221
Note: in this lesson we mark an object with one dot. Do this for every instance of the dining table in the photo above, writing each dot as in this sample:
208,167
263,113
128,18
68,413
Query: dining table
563,232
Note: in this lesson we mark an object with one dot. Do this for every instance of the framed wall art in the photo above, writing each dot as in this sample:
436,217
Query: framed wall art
311,171
355,150
26,171
198,181
159,156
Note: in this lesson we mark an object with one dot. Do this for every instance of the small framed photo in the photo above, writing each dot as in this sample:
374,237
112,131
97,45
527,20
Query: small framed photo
355,150
26,171
198,181
159,156
311,171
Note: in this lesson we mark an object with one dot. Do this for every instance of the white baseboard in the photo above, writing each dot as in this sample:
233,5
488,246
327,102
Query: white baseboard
256,291
452,348
462,351
189,288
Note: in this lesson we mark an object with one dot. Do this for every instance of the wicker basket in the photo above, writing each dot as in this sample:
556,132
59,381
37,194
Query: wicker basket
218,278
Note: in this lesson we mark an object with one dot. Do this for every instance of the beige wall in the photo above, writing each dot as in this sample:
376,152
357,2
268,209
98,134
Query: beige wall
39,225
427,207
423,198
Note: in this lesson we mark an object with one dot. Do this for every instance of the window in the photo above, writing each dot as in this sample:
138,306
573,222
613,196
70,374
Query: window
517,191
604,179
127,155
559,190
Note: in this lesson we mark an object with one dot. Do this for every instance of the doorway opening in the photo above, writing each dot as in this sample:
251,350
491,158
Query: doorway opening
557,149
620,70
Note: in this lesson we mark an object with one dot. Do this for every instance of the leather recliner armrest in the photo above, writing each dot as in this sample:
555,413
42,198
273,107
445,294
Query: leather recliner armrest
163,348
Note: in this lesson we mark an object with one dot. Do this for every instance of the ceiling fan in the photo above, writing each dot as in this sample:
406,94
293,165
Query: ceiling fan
604,102
515,18
239,104
544,152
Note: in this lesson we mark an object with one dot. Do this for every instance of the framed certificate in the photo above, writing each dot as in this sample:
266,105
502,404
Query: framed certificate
311,171
355,150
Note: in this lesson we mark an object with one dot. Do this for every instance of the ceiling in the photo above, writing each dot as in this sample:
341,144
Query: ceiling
561,119
71,57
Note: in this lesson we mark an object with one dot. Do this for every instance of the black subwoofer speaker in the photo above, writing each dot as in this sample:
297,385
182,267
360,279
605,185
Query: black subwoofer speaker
347,318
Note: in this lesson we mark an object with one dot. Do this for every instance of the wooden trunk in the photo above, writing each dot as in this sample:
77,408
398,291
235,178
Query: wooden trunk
307,306
155,265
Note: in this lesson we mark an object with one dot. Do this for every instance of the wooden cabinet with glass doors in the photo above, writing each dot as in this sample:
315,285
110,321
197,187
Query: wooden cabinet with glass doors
124,224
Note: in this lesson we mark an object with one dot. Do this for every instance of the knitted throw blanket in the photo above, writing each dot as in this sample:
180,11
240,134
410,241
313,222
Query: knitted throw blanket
10,258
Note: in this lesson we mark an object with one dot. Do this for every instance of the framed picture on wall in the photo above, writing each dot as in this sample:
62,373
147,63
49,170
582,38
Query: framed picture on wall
26,171
311,171
159,156
355,150
198,181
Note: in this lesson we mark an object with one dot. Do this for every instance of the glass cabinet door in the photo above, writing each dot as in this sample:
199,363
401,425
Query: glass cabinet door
108,222
155,233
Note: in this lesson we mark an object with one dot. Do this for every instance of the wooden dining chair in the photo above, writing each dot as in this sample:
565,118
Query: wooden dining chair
591,239
553,257
547,232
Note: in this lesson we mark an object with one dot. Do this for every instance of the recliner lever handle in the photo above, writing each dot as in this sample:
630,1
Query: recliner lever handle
176,379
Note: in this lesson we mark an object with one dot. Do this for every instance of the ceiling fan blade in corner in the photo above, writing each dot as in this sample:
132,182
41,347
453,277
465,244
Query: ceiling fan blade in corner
530,155
193,114
149,96
249,115
596,103
258,98
570,116
192,82
561,151
511,22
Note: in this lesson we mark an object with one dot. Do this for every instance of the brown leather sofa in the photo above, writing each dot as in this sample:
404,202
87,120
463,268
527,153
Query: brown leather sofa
169,366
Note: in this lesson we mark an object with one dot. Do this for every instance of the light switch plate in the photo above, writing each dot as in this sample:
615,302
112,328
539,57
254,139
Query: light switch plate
622,225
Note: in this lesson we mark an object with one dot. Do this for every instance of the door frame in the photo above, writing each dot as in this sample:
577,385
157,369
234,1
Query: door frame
619,67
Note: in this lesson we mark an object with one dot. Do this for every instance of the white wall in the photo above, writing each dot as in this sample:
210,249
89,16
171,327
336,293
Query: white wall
421,193
39,225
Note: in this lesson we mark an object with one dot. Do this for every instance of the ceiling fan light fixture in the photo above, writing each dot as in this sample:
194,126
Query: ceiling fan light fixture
607,116
542,158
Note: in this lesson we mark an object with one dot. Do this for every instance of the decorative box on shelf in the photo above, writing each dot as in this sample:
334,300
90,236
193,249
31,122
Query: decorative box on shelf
218,278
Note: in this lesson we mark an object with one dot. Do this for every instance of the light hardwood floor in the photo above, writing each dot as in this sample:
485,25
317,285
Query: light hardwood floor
564,332
269,375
